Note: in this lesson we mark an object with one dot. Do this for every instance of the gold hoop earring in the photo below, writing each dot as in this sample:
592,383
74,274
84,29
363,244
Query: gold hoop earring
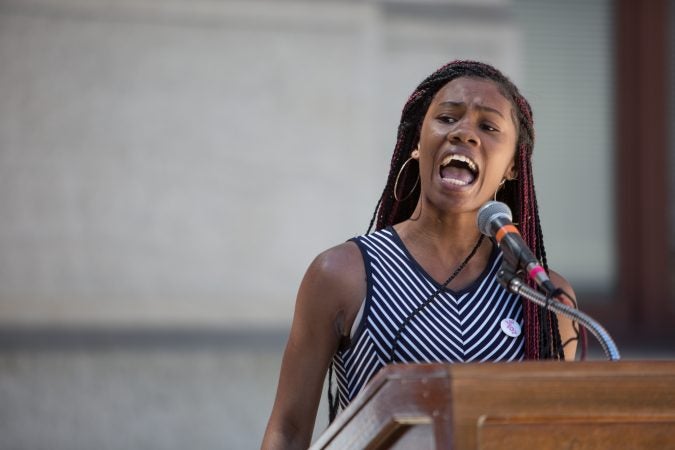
399,176
501,185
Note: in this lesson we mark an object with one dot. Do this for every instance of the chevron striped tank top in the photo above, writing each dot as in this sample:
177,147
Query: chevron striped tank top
464,326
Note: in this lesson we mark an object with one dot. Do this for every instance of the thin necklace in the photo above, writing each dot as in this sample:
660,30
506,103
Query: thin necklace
423,305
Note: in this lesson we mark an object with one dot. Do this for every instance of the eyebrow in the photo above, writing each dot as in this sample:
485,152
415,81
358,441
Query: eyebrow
480,107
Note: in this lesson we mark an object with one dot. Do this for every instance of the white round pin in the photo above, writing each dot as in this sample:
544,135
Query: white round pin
510,327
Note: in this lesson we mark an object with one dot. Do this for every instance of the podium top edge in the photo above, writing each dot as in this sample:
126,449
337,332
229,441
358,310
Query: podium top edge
527,369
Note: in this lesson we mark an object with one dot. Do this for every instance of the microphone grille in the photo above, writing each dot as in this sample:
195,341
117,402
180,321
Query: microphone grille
490,211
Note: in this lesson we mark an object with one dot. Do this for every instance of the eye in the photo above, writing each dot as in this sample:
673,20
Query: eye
489,127
447,119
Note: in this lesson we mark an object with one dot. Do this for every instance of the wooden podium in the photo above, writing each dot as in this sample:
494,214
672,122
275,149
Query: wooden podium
524,405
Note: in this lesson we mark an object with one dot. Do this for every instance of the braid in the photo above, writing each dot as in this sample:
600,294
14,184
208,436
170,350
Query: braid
542,338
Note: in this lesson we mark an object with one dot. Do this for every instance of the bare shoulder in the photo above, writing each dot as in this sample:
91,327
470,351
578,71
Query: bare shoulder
562,283
337,266
335,283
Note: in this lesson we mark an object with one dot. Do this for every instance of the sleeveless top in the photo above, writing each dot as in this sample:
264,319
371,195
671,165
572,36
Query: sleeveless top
464,326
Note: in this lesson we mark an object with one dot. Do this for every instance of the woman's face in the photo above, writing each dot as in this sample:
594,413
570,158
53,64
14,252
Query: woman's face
467,144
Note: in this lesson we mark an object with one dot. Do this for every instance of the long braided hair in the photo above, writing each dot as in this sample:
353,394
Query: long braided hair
542,338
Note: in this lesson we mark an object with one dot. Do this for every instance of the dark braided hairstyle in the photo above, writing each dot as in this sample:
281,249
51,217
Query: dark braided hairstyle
542,338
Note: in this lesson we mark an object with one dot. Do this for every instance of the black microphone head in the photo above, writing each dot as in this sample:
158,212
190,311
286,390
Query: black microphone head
489,212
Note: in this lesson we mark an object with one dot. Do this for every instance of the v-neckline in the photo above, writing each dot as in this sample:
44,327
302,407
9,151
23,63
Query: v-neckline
423,271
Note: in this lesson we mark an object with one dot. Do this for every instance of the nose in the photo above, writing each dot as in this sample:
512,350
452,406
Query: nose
463,133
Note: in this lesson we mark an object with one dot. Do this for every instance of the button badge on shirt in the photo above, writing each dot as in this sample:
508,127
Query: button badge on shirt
510,327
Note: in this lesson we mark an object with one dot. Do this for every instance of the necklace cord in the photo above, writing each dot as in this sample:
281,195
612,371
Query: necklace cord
424,304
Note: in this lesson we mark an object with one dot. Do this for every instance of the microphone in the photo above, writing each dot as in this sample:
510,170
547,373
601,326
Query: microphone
494,221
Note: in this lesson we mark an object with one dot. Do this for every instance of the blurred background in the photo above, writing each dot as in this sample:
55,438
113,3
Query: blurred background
168,169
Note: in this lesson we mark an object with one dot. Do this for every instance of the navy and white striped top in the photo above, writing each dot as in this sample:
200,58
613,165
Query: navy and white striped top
463,326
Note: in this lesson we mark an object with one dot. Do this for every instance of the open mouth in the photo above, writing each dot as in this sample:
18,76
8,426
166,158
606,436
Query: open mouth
459,170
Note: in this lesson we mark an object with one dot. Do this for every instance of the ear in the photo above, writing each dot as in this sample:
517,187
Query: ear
416,153
511,172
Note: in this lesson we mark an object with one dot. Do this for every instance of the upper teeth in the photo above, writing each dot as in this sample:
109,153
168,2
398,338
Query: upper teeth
448,159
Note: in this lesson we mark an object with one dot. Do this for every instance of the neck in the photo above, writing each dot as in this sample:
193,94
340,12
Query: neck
455,234
443,248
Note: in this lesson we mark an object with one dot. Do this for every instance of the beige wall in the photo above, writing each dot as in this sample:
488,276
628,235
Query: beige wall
180,163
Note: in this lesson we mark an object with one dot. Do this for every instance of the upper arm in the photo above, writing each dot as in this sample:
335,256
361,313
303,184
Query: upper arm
332,287
565,325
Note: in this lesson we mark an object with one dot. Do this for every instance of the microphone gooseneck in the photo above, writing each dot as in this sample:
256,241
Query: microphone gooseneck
494,220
